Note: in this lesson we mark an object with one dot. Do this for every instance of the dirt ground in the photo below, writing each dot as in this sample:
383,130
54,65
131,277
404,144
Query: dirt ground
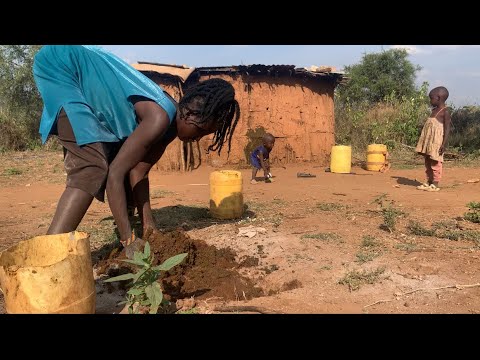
316,245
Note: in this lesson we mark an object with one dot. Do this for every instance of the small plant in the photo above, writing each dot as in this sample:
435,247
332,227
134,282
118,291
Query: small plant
12,171
407,246
389,212
354,279
417,229
322,236
369,242
159,193
329,206
390,216
145,290
445,225
380,199
370,249
473,213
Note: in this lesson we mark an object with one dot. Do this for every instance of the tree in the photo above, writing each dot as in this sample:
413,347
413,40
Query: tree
378,75
20,102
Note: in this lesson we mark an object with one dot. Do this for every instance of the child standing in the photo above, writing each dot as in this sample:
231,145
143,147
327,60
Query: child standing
434,137
259,158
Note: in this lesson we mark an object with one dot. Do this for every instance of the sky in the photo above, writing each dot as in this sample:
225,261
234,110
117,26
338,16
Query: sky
457,67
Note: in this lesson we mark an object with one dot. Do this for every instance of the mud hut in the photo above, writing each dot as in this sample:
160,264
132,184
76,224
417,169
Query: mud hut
295,104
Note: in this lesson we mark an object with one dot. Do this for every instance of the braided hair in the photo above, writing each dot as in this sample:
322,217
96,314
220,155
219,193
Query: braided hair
216,99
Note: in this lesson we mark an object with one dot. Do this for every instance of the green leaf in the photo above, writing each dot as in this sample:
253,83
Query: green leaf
153,309
121,277
135,292
154,294
146,250
135,262
157,291
139,274
170,262
149,293
138,256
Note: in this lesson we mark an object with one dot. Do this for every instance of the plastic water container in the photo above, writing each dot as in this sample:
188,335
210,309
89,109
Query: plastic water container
226,196
341,159
376,156
49,274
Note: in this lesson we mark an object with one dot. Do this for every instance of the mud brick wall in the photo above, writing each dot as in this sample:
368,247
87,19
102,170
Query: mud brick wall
299,112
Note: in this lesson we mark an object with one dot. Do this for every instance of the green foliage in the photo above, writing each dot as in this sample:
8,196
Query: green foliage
329,206
145,289
355,279
370,249
12,171
389,213
396,119
20,102
378,75
473,213
380,103
465,131
322,236
418,229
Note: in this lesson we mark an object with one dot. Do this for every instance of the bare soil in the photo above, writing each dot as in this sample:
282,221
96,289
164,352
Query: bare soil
320,245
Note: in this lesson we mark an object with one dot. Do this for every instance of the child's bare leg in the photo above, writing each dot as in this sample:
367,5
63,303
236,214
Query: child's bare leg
254,173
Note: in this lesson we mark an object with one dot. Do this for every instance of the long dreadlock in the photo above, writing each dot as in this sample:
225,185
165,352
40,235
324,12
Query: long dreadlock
216,98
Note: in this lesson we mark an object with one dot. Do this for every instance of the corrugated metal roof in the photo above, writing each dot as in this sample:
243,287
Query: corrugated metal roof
183,72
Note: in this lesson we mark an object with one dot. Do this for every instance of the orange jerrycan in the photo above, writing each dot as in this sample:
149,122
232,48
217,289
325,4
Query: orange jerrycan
377,157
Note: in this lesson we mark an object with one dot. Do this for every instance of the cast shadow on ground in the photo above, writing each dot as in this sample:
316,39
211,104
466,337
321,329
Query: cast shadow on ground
406,181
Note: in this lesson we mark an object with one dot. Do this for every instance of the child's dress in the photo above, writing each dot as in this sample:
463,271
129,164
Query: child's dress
431,139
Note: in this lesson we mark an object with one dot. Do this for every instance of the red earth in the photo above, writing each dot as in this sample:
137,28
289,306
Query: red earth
319,244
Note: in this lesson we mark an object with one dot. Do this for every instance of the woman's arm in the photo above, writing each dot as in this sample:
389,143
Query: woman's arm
154,123
140,182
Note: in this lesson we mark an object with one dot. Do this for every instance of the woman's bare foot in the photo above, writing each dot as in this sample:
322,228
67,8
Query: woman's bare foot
253,182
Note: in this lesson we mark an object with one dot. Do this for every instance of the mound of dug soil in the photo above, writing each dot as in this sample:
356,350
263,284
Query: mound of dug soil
206,272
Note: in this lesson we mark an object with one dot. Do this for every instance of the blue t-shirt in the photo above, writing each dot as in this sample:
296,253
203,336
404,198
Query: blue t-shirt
261,149
94,88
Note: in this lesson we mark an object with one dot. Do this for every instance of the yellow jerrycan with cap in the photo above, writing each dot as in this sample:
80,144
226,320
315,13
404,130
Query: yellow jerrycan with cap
49,274
226,196
341,159
377,157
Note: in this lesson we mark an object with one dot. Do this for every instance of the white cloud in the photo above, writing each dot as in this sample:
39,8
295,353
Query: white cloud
411,49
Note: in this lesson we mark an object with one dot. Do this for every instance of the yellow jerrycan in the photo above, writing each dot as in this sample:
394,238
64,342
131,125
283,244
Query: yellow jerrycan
49,274
226,197
341,159
377,157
